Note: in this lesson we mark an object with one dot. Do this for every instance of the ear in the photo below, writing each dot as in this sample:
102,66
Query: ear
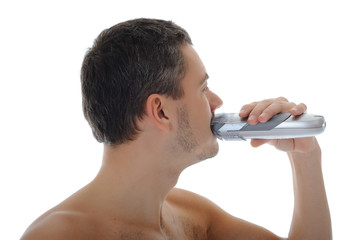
156,110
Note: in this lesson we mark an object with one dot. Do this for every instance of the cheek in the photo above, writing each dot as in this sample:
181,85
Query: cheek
203,116
199,112
203,109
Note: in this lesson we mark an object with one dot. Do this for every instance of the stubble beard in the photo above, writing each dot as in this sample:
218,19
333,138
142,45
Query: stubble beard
186,139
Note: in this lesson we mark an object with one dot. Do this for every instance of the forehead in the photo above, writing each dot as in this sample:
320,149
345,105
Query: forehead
195,72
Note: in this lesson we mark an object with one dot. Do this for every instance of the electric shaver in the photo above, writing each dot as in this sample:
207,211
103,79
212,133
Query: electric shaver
229,126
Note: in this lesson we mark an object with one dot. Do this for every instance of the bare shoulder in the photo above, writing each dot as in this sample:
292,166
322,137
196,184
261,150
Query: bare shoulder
193,205
58,224
220,224
191,201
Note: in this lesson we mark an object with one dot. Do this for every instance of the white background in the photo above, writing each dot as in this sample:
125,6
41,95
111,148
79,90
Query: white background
307,51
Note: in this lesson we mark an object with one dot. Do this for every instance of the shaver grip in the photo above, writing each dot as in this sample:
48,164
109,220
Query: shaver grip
270,124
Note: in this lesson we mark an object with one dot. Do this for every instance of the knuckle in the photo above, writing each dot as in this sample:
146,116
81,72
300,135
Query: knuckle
267,102
249,106
292,104
282,99
269,112
270,100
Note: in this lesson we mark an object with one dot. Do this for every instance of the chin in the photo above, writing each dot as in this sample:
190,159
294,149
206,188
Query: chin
209,151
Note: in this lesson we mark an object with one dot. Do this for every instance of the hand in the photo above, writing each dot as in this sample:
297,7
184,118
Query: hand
264,110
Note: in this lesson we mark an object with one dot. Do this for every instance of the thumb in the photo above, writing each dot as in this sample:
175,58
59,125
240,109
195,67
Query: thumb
259,142
280,144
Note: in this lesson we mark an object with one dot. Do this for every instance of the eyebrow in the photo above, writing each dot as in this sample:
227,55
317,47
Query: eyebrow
205,78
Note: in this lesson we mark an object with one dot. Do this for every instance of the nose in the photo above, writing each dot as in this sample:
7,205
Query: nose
214,101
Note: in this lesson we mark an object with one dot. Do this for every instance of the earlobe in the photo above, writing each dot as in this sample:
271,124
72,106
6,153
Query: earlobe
155,109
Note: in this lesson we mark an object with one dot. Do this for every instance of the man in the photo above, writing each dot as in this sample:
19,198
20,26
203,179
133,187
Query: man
146,98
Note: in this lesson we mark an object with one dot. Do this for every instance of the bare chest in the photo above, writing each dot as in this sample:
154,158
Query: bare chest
183,229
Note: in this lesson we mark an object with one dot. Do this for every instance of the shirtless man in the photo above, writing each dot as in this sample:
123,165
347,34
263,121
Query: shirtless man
146,98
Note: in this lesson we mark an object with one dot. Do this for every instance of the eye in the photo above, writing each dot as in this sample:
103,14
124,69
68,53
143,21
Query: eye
205,89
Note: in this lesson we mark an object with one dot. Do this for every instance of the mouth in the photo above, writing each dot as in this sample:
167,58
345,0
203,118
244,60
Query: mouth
212,117
210,124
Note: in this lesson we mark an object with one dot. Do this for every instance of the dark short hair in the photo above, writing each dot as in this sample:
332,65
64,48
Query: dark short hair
126,64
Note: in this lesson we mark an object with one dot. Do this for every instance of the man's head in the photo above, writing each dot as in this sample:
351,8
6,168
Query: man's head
127,63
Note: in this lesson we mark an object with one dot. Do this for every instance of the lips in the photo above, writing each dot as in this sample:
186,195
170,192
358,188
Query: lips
210,127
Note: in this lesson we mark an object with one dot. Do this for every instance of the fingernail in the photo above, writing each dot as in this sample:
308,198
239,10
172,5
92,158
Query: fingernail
251,118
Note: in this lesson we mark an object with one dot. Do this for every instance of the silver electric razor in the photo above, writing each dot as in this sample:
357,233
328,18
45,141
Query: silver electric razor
229,126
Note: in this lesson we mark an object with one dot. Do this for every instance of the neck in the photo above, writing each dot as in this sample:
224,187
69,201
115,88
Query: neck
137,181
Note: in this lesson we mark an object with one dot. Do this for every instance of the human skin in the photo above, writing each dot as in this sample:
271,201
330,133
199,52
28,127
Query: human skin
133,195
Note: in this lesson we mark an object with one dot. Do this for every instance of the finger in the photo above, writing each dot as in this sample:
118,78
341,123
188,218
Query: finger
258,110
258,142
266,109
280,144
302,145
246,109
282,99
275,108
285,145
298,109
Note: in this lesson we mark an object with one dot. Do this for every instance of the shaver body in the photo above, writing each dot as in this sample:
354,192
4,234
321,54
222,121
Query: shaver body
229,126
